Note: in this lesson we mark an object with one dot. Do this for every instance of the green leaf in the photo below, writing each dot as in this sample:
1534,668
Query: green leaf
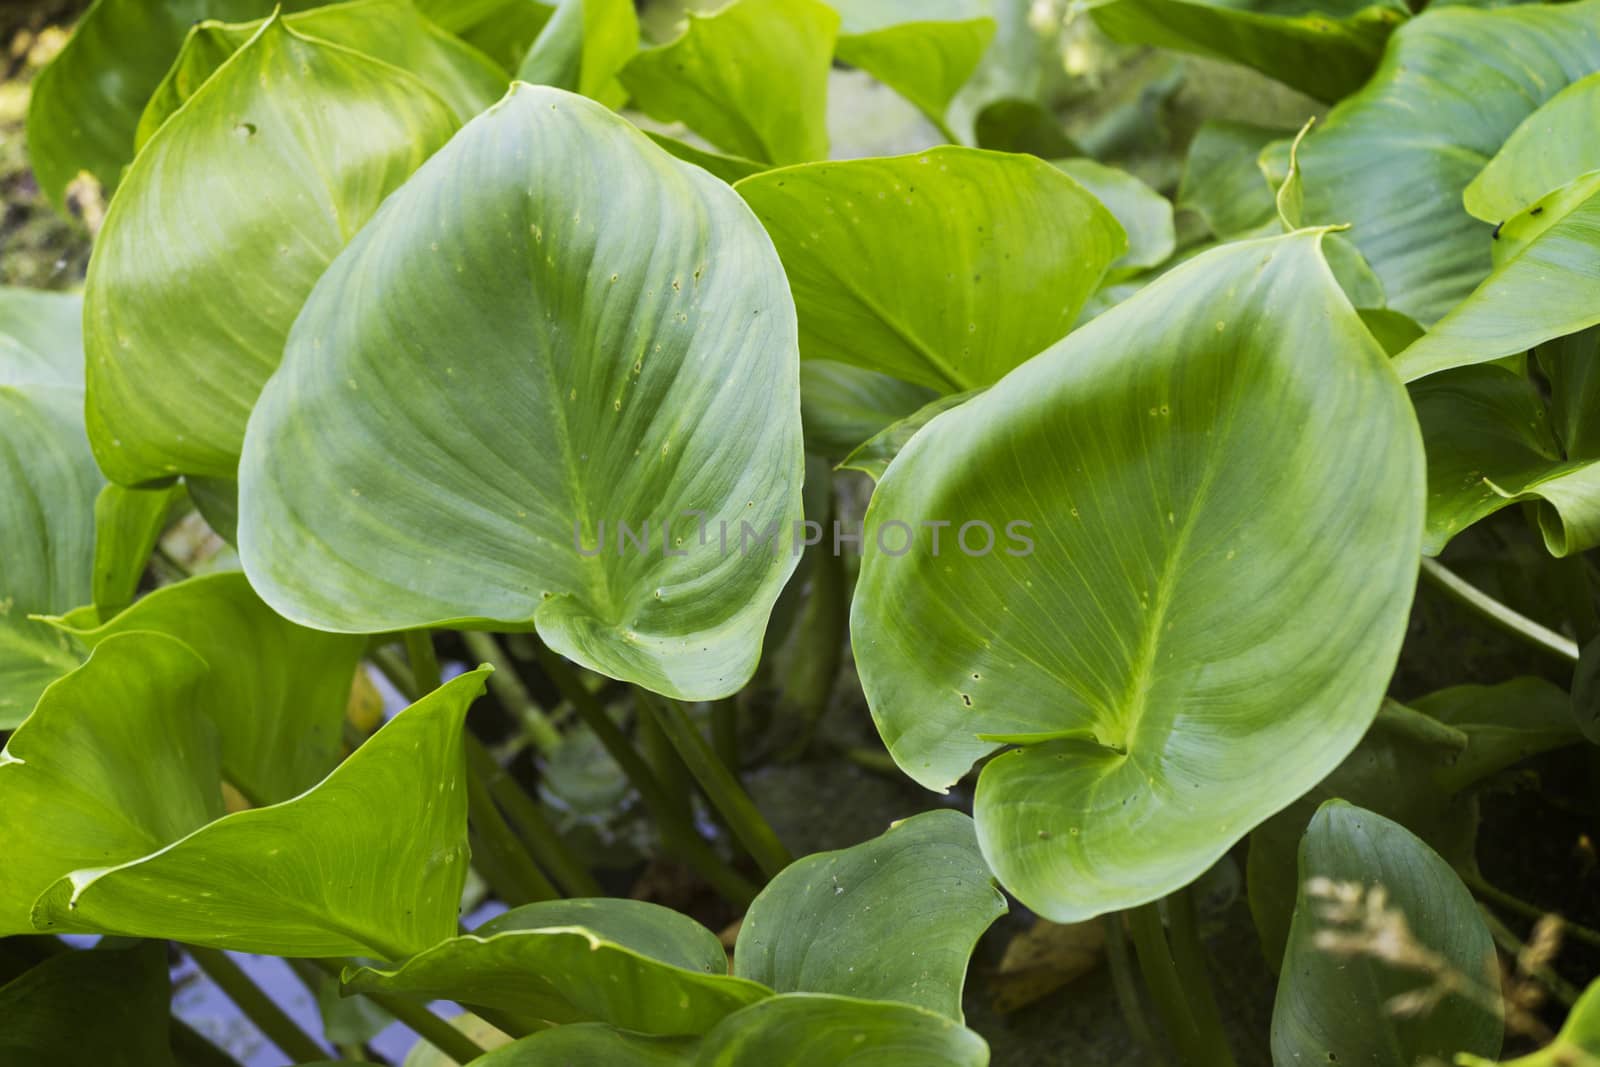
794,1030
1222,178
1023,126
576,375
894,918
841,406
116,762
1490,444
1546,289
505,33
370,862
1549,149
1453,86
46,525
1156,626
751,78
729,168
635,965
390,31
855,239
127,524
1577,1045
925,50
100,1008
874,455
1021,64
1335,1006
277,692
583,47
187,307
1144,214
1325,50
41,337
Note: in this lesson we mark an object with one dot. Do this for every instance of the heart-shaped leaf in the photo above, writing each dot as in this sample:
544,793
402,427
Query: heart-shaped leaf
616,351
369,862
632,964
750,77
583,47
1454,84
1124,601
854,237
923,49
1325,50
299,140
126,992
277,692
388,30
894,918
1374,897
794,1030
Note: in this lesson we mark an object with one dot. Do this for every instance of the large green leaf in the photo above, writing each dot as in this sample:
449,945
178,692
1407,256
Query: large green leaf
1549,149
635,965
1578,1044
116,762
1325,49
1453,86
751,78
388,30
187,306
85,105
583,47
855,239
1222,178
105,1008
1160,626
1490,444
486,376
923,49
794,1030
1144,214
1546,288
894,918
47,523
277,692
369,862
1334,1006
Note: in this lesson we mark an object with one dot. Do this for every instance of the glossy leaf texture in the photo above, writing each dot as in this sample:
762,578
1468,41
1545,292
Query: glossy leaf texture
1453,85
1416,766
795,1030
750,77
854,238
1492,441
47,522
1325,50
391,31
1158,627
926,50
124,991
1337,1006
631,964
1577,1043
894,918
1549,149
85,104
298,141
583,47
553,329
277,692
369,862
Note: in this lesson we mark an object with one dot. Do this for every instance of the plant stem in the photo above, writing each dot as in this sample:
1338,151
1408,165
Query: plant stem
727,796
663,759
192,1049
1497,614
1495,895
1189,955
1190,1037
1513,946
512,692
725,732
1122,982
513,875
675,831
422,1022
541,838
259,1008
424,661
